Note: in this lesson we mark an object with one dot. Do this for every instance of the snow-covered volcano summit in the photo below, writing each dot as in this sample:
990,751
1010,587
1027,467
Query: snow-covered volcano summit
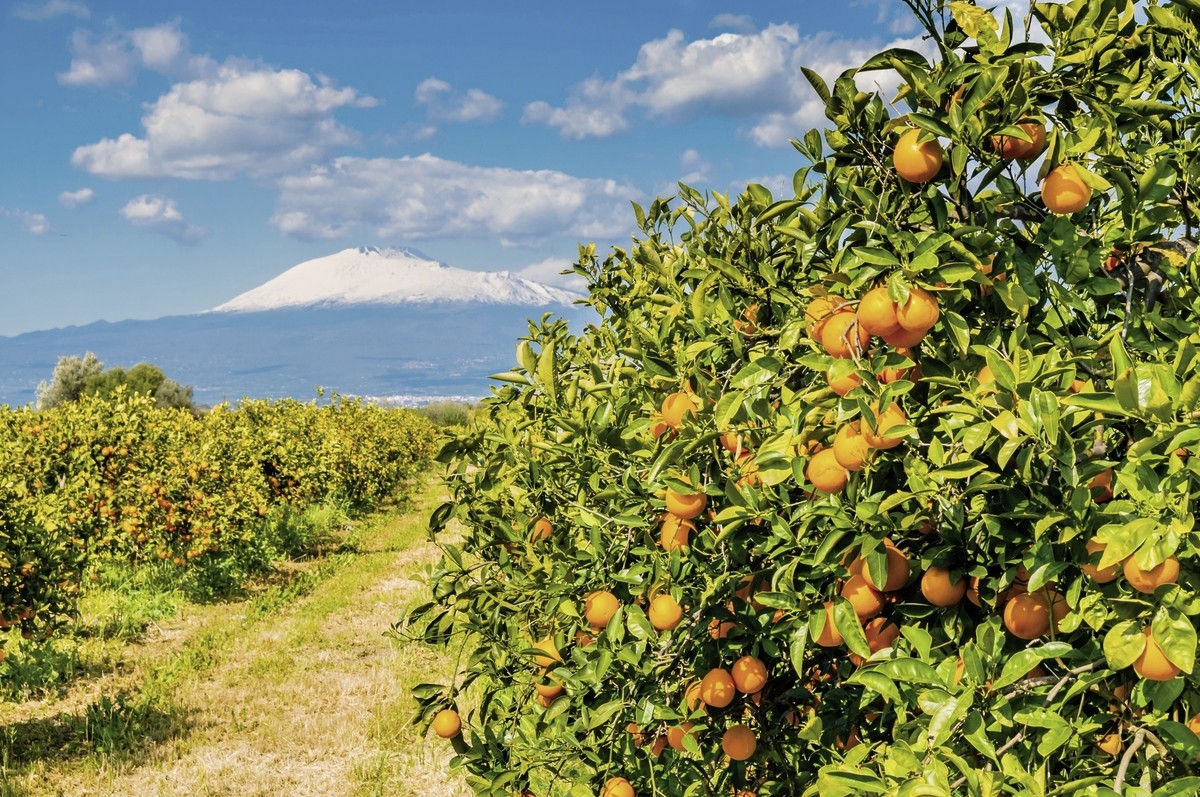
370,275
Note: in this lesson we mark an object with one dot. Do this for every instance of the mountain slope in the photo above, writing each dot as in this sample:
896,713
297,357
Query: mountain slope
369,275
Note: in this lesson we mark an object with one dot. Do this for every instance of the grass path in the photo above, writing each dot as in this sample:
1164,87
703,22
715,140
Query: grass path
295,692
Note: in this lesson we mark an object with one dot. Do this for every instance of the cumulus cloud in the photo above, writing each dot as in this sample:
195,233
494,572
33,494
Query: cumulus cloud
697,170
444,103
33,223
244,119
755,76
40,12
114,58
160,214
549,272
742,23
425,196
73,199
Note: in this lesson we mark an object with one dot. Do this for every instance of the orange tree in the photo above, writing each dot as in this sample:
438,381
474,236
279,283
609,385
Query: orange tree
885,488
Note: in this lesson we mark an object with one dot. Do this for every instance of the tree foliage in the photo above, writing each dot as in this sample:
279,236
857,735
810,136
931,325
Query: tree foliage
947,619
75,377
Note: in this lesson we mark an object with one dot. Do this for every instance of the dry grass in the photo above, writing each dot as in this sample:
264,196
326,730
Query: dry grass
310,698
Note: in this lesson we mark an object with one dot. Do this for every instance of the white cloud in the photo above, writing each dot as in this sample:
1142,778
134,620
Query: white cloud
114,58
444,104
244,119
40,12
742,23
33,223
549,272
755,76
73,199
697,170
427,197
160,214
106,62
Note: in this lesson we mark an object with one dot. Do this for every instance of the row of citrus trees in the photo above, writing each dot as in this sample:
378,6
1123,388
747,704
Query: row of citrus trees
123,479
887,487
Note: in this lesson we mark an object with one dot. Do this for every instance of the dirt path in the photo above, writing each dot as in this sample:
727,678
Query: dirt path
308,698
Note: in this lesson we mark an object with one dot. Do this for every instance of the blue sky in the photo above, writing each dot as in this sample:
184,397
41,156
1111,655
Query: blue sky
164,157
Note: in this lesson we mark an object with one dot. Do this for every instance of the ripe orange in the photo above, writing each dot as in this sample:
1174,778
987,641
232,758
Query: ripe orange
905,338
739,742
717,688
1064,190
658,745
676,733
1153,664
825,473
1093,570
659,427
843,337
850,448
636,732
1013,148
866,600
599,607
941,589
819,311
691,696
675,531
1147,581
548,687
749,674
685,506
677,406
747,469
1101,487
829,637
877,312
664,612
549,652
885,420
617,787
897,569
734,442
917,161
843,384
720,629
1110,744
446,723
880,633
1027,615
542,529
973,590
920,311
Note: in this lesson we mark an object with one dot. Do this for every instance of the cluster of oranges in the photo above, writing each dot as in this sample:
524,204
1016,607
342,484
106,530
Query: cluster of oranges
917,157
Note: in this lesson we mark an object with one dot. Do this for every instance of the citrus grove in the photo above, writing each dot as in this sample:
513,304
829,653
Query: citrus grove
884,488
122,480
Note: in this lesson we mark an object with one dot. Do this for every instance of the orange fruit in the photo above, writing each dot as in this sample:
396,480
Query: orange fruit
829,637
720,629
885,420
747,469
1147,581
617,787
675,531
676,733
599,607
1153,664
877,312
897,569
685,506
1193,725
658,745
1099,576
880,633
446,723
636,732
819,311
973,590
1064,190
664,612
734,442
1013,148
739,742
542,529
917,161
1027,615
549,652
691,696
749,674
1110,744
717,688
920,311
905,338
659,427
843,384
825,473
1101,487
866,600
843,337
986,380
748,324
941,589
548,688
850,448
676,407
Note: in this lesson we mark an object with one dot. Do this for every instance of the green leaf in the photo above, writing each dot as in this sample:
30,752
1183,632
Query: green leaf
850,628
818,84
759,372
1123,644
1176,635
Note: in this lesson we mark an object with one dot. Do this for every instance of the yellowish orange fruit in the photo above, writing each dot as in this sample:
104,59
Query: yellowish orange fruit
917,161
877,312
548,687
829,637
1153,664
905,338
1064,190
1147,581
599,607
664,612
897,569
548,652
676,407
1110,744
887,419
843,384
749,674
542,529
717,688
941,589
686,506
676,733
675,532
446,723
739,742
920,311
843,337
825,473
819,311
863,596
880,633
617,787
850,448
1101,486
1093,571
1012,148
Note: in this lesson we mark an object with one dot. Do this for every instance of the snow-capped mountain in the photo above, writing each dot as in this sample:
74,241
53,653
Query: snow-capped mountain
370,275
